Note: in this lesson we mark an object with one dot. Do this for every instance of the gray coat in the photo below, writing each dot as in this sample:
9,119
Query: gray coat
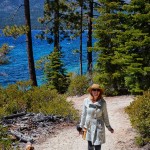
94,117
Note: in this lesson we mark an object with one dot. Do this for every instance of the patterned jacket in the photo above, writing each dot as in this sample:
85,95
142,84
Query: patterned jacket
94,117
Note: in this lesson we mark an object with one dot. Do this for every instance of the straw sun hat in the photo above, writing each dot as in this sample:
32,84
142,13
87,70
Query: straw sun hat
95,86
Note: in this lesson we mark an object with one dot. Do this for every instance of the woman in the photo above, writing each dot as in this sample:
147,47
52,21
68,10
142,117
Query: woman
94,117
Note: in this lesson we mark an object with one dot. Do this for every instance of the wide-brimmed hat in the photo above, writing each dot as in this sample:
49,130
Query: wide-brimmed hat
95,86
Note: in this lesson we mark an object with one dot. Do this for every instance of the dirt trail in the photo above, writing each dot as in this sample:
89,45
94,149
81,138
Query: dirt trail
121,139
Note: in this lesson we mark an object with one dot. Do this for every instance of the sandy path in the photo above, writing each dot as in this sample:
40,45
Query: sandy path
122,139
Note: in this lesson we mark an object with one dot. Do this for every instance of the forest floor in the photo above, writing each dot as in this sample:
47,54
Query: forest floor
67,137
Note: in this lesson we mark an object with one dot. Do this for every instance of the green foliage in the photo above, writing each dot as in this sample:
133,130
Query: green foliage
15,31
23,97
55,72
110,63
66,20
105,80
12,98
49,101
139,141
135,40
4,50
139,114
78,85
123,44
5,142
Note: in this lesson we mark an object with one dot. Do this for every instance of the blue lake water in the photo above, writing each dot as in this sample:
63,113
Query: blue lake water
17,69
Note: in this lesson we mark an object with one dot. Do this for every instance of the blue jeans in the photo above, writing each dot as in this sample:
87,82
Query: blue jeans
93,147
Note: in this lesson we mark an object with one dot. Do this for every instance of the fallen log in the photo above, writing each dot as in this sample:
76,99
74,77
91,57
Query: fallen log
21,136
15,115
47,118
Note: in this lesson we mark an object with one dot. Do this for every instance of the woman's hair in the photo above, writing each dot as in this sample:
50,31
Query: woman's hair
99,97
95,86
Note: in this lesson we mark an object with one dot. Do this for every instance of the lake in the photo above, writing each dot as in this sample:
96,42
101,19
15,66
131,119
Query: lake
17,69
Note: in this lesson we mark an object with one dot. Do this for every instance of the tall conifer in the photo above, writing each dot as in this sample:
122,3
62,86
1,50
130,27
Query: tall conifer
29,43
16,31
107,26
135,41
58,18
123,41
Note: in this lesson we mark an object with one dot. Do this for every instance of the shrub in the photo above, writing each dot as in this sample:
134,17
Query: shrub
48,101
5,142
12,98
139,115
21,97
78,85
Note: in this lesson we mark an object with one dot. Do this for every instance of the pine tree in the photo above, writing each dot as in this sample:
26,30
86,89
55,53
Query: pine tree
135,40
123,41
58,17
56,73
16,31
89,40
58,21
81,37
29,43
107,26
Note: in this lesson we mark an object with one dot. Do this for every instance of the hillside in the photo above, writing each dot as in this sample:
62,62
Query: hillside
12,12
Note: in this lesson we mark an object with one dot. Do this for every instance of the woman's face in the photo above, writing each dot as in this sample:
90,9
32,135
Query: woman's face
95,92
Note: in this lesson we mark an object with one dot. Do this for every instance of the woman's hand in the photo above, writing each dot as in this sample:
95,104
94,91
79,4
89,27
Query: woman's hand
79,129
111,130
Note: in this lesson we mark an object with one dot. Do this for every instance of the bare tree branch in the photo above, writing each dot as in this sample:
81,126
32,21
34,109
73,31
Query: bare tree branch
12,18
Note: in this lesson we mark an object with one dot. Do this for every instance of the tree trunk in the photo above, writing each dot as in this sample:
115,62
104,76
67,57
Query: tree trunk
29,44
89,42
81,69
56,26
